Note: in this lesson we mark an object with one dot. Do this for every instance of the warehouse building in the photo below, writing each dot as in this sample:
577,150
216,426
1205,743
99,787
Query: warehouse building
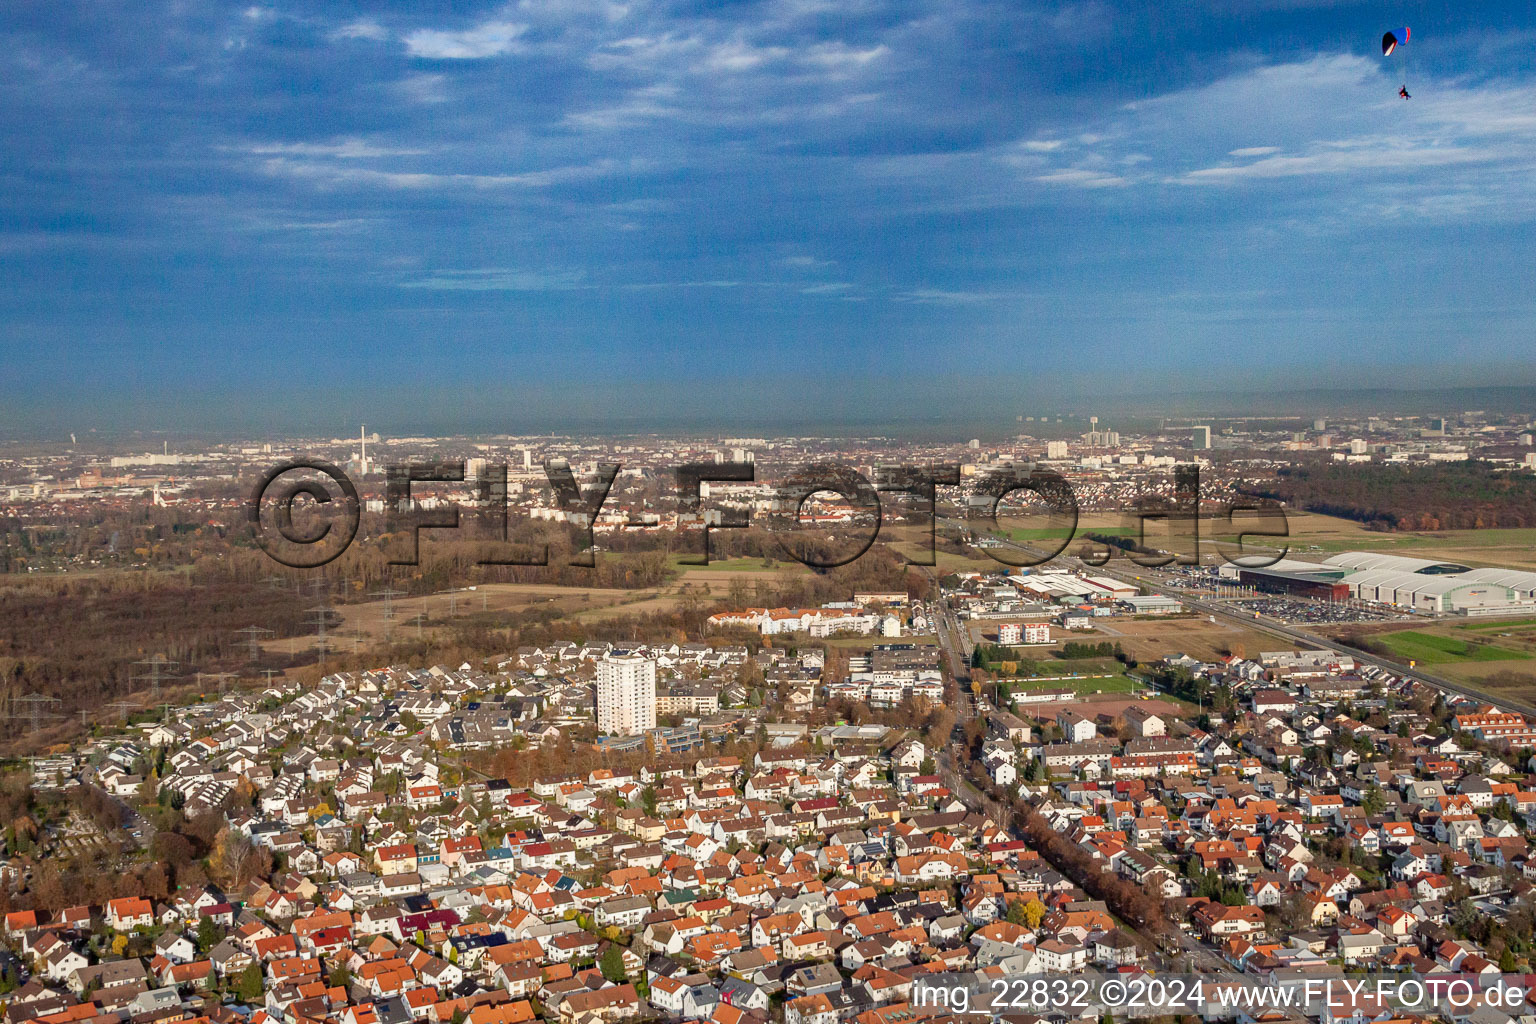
1069,587
1154,604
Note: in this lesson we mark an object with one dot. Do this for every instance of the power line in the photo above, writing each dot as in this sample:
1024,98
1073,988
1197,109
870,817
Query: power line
156,674
253,635
320,618
36,707
125,707
388,594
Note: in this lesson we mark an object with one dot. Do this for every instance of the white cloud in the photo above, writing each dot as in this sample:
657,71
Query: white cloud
1454,148
806,262
640,105
1083,177
645,53
487,39
558,175
572,10
839,56
737,55
941,297
343,149
337,174
641,286
1380,154
423,89
499,279
340,224
362,28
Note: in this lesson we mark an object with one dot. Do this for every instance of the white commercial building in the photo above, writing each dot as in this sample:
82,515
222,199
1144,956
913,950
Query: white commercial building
626,694
1427,593
1427,585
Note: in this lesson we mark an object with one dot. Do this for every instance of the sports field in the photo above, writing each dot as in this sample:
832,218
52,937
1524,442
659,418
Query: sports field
1083,685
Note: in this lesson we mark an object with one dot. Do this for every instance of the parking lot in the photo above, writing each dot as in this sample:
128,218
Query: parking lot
1301,610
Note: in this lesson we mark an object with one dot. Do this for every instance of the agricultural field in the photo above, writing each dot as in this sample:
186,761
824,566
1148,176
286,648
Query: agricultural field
1497,656
1317,536
734,565
1314,537
1514,627
1144,639
1149,639
370,622
1430,649
367,622
1035,533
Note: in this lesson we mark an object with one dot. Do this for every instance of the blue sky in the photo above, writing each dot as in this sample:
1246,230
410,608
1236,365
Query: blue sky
545,211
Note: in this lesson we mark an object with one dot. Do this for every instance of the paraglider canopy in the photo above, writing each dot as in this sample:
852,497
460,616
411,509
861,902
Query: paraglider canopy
1392,40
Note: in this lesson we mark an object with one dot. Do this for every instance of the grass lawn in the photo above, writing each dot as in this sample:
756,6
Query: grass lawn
1089,684
1047,665
1498,624
866,642
1428,649
785,564
947,561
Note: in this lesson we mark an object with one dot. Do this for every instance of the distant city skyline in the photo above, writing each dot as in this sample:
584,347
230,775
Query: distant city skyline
495,216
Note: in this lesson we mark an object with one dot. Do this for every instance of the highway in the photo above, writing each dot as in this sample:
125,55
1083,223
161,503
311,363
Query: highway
1309,640
1281,630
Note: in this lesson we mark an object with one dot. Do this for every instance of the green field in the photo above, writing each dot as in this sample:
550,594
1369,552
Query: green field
1058,532
1428,649
866,642
1089,684
785,564
1046,663
1498,624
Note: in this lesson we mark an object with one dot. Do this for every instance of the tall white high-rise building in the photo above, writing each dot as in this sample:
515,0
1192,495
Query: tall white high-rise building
626,694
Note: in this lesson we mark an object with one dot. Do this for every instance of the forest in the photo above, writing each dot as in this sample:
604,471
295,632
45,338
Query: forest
1471,495
83,638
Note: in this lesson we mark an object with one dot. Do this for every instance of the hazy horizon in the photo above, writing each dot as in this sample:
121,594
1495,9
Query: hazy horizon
400,415
240,217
